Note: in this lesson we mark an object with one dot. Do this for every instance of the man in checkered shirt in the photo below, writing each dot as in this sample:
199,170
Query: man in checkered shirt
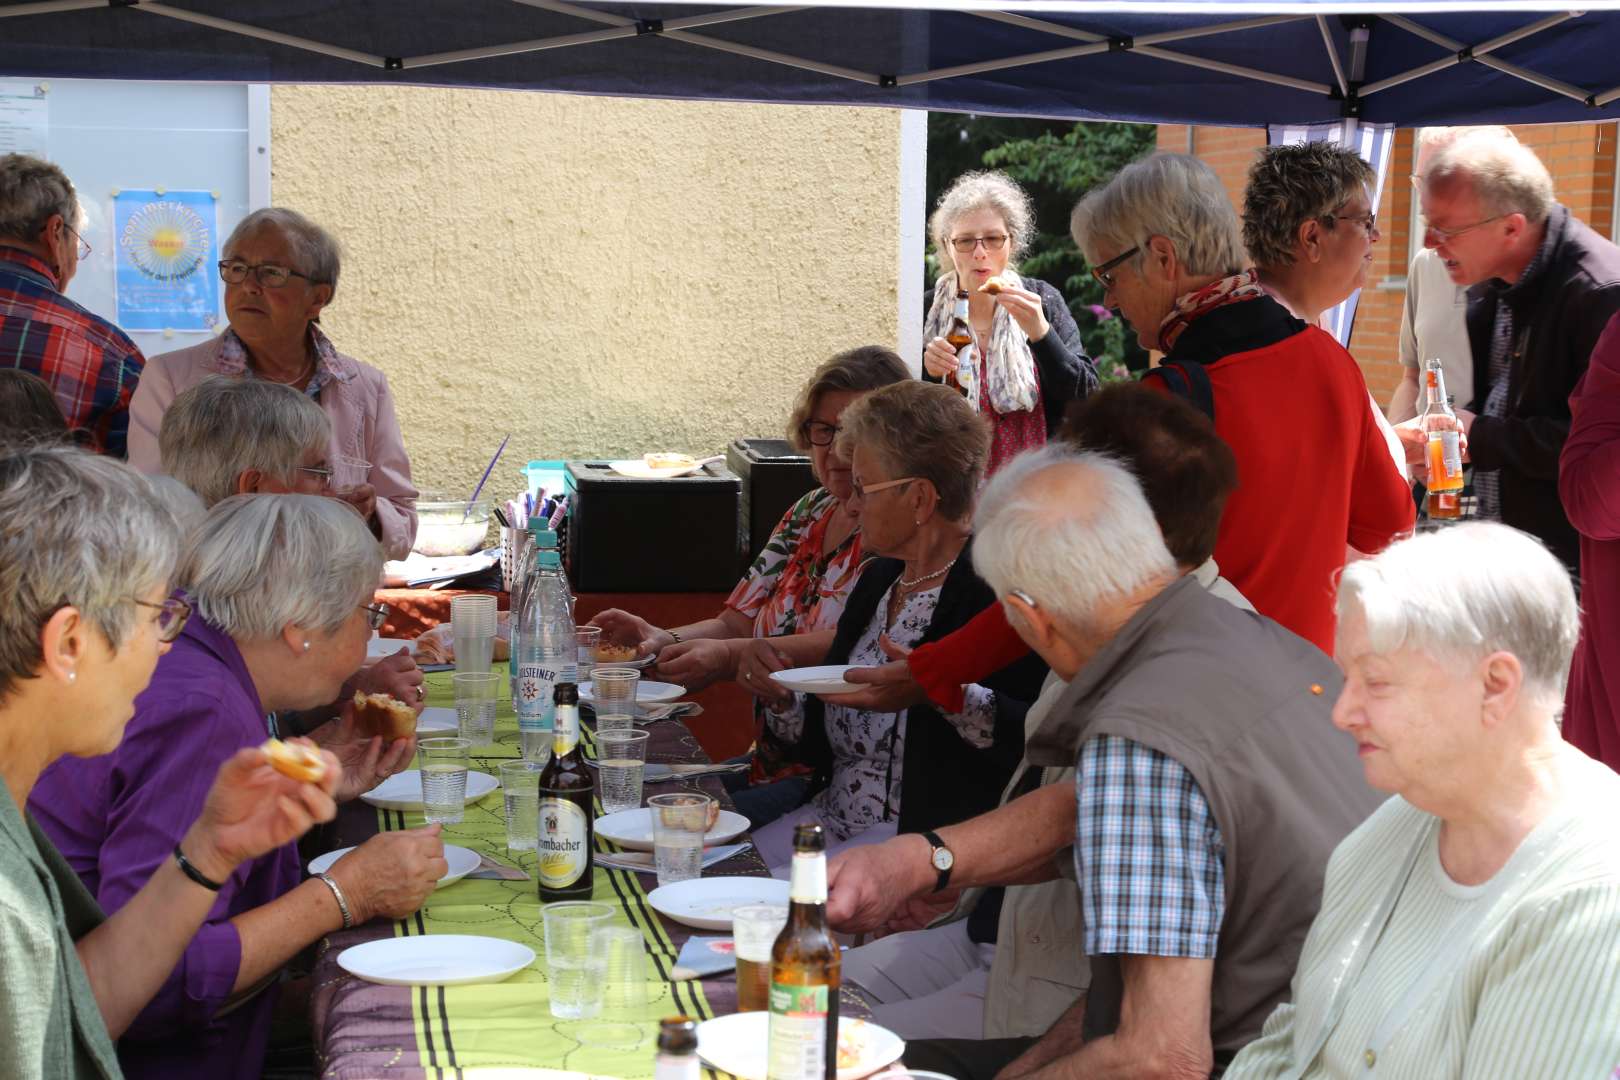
1210,788
90,364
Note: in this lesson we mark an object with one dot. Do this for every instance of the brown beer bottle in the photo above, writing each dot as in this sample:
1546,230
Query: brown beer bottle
959,336
1444,450
804,972
565,862
677,1049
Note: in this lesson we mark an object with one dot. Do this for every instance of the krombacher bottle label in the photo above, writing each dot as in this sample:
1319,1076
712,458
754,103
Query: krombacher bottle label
804,972
565,860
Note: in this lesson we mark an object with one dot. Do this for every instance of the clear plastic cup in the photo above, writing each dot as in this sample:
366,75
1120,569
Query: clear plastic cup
520,787
614,692
443,765
621,760
680,821
472,624
754,930
476,693
586,638
575,969
624,976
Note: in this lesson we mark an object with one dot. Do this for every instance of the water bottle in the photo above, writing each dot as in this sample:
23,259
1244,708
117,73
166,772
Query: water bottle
544,649
536,538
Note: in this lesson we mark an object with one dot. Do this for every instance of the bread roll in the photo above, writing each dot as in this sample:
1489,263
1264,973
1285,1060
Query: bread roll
296,760
379,714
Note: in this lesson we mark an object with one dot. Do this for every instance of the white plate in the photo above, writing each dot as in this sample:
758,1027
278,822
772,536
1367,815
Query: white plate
738,1044
826,679
462,862
647,692
633,829
707,902
403,791
638,663
640,470
436,960
377,648
436,719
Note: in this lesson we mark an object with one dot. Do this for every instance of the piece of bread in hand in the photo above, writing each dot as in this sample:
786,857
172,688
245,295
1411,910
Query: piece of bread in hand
295,760
994,285
379,714
614,654
669,461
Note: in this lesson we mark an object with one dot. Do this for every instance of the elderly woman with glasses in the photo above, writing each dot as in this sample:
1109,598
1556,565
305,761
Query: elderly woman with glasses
791,597
1315,472
86,556
917,455
280,272
281,587
1028,359
1471,926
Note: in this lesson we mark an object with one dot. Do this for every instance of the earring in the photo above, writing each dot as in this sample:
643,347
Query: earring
306,646
72,675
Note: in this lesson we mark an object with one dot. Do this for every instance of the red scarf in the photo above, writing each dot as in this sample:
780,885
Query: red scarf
1228,290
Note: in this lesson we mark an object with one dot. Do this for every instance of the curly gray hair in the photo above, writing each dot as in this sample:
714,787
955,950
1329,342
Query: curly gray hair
1290,185
987,190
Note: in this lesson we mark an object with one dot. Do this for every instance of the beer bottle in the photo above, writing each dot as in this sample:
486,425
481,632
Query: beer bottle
804,972
1444,431
677,1049
960,337
567,822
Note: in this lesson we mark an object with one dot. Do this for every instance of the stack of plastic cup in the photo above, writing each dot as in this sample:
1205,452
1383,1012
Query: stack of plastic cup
472,620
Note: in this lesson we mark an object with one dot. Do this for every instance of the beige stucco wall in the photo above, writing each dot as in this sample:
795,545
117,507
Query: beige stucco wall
599,277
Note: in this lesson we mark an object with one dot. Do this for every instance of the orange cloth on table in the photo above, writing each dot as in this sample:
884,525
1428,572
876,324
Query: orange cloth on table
970,655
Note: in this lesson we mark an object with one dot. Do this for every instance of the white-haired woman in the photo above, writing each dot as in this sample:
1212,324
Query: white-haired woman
1030,361
86,556
280,271
281,587
1471,927
1162,239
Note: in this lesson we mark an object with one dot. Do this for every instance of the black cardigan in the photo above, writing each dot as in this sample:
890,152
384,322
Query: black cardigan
943,779
1066,373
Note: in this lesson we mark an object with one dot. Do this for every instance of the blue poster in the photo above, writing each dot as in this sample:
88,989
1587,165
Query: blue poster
167,252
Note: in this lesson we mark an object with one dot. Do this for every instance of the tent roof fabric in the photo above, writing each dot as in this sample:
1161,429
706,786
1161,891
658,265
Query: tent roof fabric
1218,62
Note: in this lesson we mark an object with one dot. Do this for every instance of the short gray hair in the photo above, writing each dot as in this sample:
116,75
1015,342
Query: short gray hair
987,190
187,509
925,430
1466,591
75,529
1171,195
259,563
1069,554
1294,183
225,425
31,190
315,250
1507,175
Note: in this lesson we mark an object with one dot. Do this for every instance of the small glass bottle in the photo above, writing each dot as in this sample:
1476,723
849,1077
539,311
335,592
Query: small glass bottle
1444,451
677,1049
960,337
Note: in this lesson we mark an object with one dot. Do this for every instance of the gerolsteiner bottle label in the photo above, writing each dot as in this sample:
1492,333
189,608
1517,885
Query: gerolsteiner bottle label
798,1031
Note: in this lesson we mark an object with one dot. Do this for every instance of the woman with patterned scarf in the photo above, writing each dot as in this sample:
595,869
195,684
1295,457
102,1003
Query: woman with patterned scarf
1027,353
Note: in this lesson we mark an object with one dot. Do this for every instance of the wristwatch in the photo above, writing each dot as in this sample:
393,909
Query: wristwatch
940,858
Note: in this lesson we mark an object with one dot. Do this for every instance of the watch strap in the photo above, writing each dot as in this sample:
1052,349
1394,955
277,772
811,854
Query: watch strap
935,844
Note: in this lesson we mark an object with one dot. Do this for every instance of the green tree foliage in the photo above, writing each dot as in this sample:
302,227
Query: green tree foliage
1057,163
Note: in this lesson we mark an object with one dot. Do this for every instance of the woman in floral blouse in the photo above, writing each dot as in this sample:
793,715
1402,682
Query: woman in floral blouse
796,588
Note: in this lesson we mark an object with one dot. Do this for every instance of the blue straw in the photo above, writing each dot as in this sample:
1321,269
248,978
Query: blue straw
491,468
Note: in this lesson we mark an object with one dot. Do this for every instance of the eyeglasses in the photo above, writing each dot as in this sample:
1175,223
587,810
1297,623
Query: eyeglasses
991,243
863,490
1105,273
1366,221
172,616
817,433
322,471
1444,236
271,276
84,246
376,615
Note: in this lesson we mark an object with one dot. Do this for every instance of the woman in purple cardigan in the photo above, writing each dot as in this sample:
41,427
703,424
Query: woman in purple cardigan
87,550
281,585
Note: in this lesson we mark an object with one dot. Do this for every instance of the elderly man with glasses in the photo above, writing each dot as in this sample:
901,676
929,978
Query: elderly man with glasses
1544,286
90,364
280,272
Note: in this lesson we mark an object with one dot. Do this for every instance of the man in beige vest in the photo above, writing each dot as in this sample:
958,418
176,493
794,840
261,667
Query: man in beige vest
1210,787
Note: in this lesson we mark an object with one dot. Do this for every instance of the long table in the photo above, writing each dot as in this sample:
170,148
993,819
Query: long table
365,1031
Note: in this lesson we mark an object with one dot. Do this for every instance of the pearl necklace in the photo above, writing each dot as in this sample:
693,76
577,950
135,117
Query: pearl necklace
914,582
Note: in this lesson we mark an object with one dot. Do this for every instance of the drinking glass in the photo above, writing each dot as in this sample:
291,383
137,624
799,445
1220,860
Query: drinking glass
680,821
576,970
615,696
587,638
520,784
621,758
754,929
624,971
348,473
443,764
472,624
475,704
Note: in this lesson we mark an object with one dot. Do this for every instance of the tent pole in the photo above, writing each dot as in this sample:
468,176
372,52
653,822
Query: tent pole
1333,56
273,36
49,7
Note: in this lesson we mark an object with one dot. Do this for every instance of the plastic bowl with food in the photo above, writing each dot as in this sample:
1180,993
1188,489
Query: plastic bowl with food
446,527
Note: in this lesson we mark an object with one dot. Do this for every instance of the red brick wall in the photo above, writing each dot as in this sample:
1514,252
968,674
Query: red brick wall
1581,158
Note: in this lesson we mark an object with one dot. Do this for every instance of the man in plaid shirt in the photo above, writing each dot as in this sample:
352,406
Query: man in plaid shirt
90,364
1210,788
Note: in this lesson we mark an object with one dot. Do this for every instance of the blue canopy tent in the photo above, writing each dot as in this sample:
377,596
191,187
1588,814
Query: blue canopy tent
1236,62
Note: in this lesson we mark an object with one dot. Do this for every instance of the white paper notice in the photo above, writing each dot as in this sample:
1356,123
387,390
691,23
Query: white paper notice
24,117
